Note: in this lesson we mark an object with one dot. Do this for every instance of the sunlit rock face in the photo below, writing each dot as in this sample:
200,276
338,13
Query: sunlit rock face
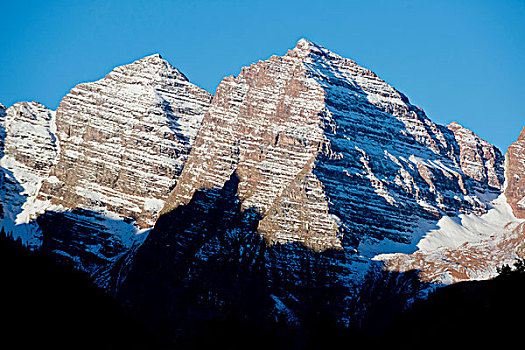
332,156
515,190
84,181
123,143
307,152
124,140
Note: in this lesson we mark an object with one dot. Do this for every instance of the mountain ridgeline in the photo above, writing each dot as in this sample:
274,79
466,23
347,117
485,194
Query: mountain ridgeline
280,200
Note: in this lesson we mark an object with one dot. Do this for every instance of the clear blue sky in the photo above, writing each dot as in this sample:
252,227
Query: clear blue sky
459,60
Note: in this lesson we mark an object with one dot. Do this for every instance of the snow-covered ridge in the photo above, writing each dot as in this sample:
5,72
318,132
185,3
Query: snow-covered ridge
464,247
29,152
327,154
106,160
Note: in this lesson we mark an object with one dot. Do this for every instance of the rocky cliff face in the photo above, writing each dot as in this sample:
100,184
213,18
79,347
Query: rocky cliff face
328,152
277,197
124,140
309,152
96,173
515,190
472,246
30,149
478,159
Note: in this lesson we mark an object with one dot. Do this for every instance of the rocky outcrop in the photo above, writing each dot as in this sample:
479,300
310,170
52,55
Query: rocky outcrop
478,159
29,151
515,190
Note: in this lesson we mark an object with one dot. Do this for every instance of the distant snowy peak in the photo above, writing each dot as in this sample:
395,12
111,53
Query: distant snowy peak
515,189
29,134
123,142
148,71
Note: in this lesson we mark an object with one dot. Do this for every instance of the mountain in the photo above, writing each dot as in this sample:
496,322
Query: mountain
332,156
124,139
112,152
307,193
307,171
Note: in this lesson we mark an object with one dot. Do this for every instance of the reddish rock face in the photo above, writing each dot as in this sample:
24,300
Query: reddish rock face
478,159
123,141
300,153
325,149
515,190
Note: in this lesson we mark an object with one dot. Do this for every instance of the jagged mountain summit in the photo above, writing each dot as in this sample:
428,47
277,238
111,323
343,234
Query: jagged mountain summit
275,196
124,139
323,147
309,152
92,175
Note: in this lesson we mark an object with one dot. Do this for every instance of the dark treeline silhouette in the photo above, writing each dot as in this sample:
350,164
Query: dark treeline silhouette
48,304
205,277
470,313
